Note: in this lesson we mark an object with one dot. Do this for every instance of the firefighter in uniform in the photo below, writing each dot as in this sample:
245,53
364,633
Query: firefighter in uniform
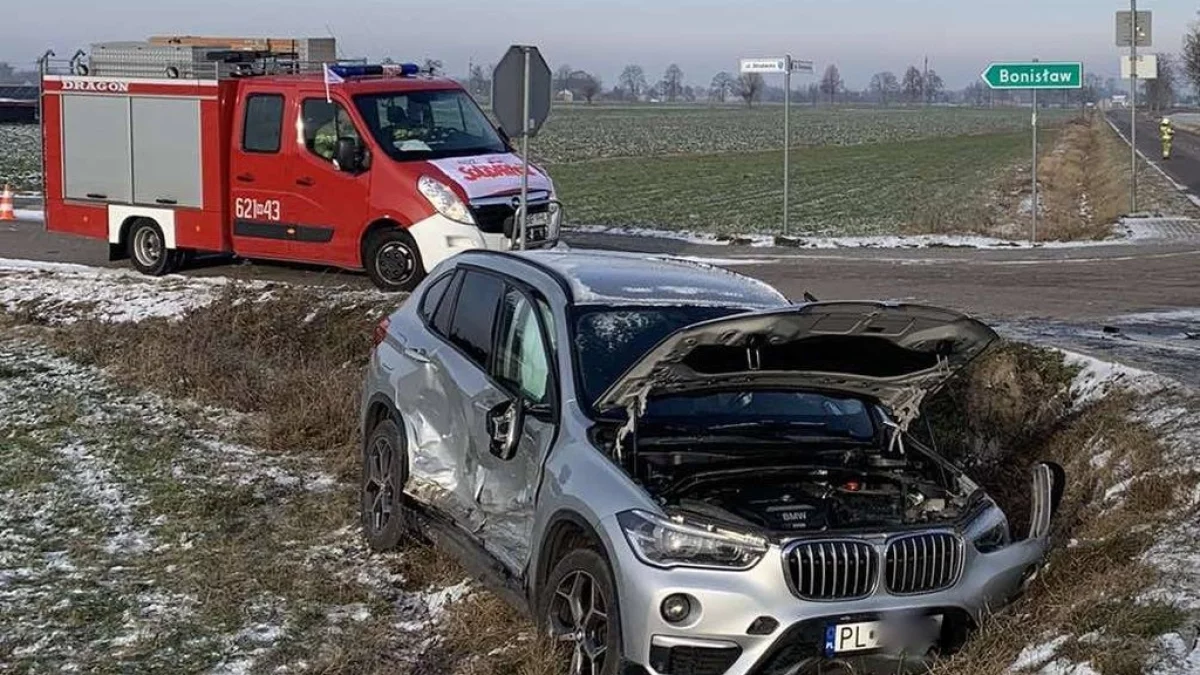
1167,132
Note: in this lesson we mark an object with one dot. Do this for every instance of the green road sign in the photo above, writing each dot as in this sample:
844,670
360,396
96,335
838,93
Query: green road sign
1034,75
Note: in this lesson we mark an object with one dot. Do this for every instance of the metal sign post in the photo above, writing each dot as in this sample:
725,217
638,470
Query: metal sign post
1133,18
521,102
786,65
1133,31
1034,75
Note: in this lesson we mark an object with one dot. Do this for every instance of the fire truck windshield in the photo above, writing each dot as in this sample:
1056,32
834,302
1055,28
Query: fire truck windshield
420,125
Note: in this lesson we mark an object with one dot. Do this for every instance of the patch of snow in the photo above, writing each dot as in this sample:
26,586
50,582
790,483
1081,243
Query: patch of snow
1038,654
1132,229
1065,667
1097,378
1178,656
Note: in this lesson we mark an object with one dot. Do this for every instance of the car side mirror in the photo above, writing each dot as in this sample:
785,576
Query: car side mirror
1049,484
504,425
347,154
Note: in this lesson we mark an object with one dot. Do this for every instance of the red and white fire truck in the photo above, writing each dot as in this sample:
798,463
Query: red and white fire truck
164,149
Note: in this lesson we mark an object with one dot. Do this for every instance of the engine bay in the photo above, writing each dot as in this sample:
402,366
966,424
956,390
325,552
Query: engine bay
877,493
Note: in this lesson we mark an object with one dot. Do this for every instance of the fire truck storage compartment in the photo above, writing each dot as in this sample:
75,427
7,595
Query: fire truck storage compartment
141,150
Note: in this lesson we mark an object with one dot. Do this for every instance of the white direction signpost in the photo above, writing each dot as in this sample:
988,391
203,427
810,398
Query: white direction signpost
1133,31
786,65
1034,75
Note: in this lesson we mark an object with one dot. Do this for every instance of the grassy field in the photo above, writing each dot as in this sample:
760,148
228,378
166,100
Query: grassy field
927,185
718,169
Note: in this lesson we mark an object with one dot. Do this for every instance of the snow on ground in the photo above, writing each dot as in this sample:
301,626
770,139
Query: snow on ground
113,505
1130,229
64,293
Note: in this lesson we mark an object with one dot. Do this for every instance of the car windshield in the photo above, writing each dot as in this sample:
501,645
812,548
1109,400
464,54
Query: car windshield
608,340
421,125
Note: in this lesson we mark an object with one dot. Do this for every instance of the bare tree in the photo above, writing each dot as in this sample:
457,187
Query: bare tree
723,84
750,86
884,86
633,80
432,66
562,78
1191,54
672,82
831,82
590,87
913,85
1160,91
933,86
478,81
975,93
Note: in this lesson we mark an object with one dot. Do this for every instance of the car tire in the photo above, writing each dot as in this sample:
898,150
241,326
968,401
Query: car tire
393,261
384,472
147,249
591,627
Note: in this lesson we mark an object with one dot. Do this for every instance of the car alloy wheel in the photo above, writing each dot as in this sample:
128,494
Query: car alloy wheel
579,618
380,485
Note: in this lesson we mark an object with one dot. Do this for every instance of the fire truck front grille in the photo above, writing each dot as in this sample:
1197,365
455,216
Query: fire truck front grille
498,217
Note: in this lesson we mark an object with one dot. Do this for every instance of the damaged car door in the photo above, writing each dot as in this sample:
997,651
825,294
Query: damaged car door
514,427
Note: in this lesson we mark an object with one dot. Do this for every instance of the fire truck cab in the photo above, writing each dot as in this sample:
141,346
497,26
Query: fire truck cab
354,166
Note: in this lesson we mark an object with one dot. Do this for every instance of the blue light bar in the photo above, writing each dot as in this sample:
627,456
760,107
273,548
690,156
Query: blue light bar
352,70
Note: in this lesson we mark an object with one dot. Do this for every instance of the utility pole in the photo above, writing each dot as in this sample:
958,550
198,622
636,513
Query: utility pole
1133,181
787,136
925,80
1034,208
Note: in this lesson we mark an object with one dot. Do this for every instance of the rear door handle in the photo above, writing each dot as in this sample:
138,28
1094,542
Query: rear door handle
245,177
417,354
305,181
164,200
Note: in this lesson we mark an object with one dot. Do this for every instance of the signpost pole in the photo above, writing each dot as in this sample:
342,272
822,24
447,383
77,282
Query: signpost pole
1133,109
787,137
525,153
1034,208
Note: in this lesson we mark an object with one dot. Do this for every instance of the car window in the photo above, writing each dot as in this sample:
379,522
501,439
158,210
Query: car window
432,124
324,124
521,359
475,315
263,123
445,309
433,295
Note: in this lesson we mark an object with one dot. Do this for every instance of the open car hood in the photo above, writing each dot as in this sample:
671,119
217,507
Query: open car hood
895,353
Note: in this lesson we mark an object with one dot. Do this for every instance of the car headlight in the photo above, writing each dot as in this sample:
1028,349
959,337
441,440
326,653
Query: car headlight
992,540
680,542
444,200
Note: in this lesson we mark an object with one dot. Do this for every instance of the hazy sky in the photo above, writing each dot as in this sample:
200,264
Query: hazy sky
702,36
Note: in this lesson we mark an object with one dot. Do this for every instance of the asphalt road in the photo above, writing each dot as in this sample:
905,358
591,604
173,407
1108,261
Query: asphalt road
1184,165
1061,296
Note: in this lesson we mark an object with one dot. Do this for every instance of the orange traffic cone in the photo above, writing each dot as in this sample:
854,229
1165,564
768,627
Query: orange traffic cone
6,204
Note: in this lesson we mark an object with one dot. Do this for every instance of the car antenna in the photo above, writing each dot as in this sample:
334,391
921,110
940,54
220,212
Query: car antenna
809,297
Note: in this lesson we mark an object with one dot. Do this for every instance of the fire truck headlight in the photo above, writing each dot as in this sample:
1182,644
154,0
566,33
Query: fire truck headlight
444,201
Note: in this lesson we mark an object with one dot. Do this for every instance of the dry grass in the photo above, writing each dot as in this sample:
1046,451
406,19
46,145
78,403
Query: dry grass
1083,188
298,366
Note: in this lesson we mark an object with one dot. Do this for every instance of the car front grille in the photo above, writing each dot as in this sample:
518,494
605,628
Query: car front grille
496,217
832,570
923,563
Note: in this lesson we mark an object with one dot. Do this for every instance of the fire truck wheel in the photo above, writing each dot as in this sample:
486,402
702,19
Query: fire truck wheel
393,261
148,251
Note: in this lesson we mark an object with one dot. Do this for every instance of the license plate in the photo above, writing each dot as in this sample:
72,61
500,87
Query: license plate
853,637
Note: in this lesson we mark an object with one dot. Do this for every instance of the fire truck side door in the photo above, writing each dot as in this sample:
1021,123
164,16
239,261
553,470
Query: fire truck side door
259,181
329,203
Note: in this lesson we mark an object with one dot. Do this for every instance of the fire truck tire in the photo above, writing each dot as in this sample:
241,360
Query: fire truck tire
147,249
393,261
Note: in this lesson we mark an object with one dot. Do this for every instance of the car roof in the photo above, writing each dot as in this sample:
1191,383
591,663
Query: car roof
617,278
356,86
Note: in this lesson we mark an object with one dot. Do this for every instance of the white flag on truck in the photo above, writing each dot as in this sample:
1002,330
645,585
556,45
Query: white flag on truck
330,78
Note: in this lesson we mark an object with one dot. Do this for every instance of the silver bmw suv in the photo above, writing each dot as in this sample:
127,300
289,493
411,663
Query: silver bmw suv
675,470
